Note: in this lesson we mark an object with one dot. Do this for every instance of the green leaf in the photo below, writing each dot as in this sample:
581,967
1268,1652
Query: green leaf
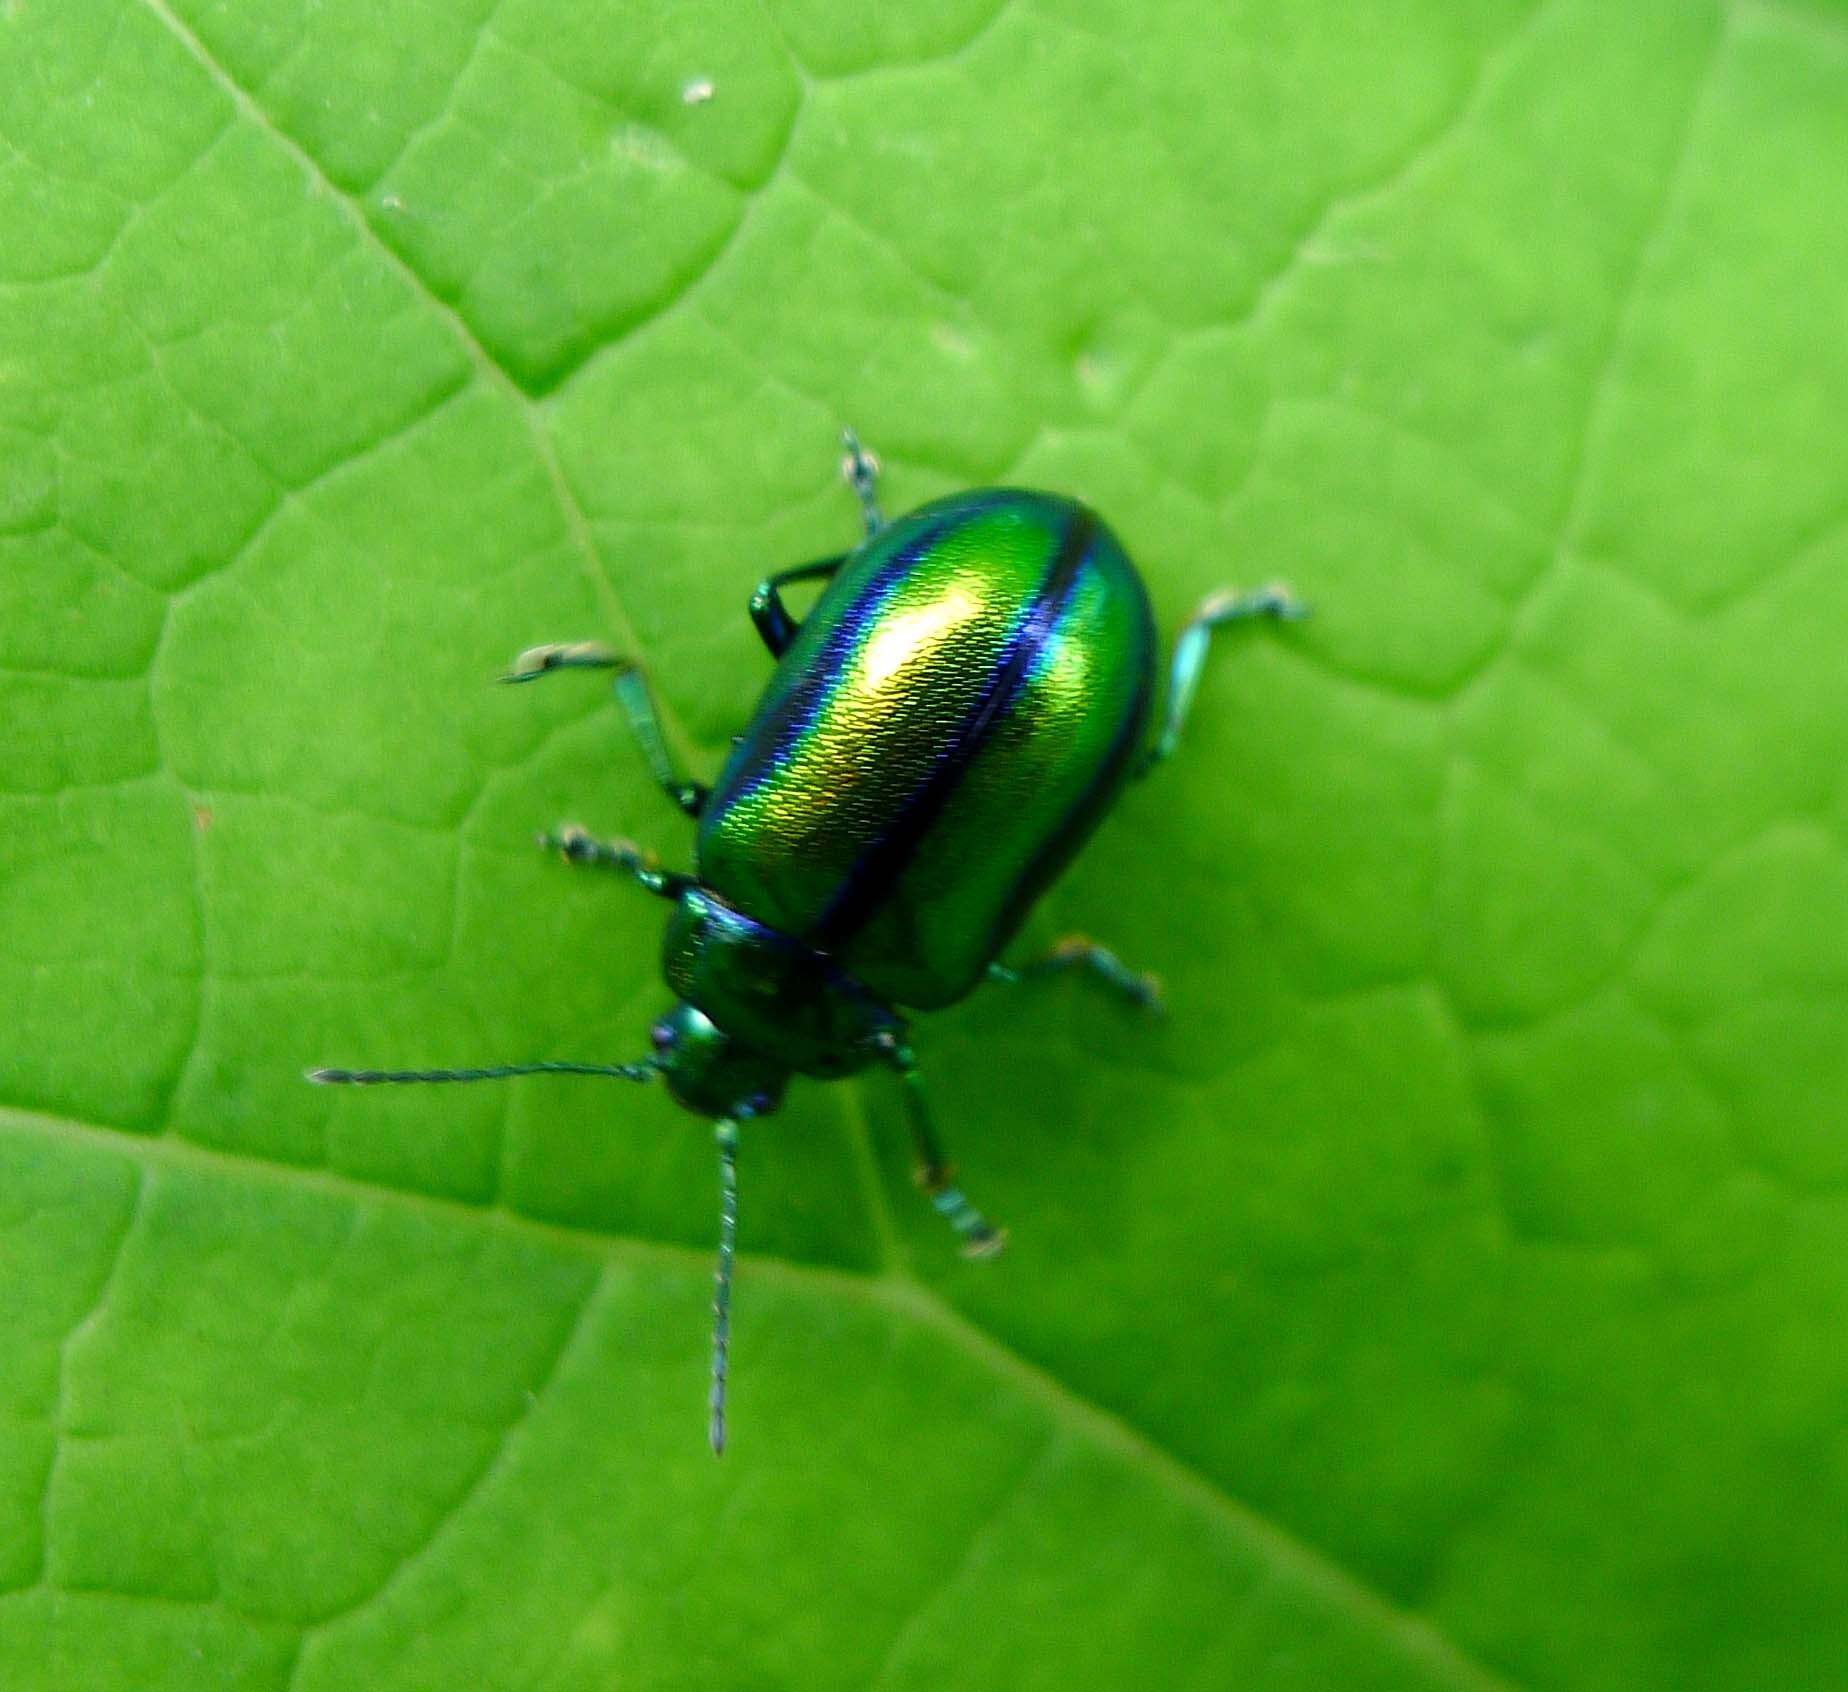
1448,1294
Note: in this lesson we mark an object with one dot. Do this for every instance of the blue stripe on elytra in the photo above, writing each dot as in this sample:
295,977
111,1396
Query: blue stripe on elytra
1089,808
780,730
878,868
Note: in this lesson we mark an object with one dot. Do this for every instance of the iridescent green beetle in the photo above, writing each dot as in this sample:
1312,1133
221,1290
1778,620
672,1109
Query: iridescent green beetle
941,733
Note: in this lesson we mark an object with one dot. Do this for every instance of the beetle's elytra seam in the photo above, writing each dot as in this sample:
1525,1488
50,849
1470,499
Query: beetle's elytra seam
873,877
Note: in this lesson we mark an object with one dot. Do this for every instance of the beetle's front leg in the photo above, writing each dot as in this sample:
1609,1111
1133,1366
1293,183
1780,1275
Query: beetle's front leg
578,847
981,1238
632,694
1079,951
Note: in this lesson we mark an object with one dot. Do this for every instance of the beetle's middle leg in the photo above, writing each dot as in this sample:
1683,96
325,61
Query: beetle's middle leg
1079,951
981,1238
632,694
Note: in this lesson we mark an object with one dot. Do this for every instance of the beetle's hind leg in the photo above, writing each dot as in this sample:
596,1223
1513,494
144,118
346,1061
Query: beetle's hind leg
980,1237
637,702
579,847
1079,951
1215,611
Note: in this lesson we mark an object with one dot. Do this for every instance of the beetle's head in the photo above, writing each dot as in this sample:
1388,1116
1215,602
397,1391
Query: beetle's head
711,1073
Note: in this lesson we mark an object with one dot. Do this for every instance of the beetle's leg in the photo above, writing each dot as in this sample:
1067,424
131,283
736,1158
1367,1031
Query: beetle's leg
769,613
580,847
637,703
981,1238
1190,652
860,471
1079,951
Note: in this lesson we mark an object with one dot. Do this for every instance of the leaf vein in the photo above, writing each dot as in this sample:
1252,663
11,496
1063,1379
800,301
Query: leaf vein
1105,1430
500,377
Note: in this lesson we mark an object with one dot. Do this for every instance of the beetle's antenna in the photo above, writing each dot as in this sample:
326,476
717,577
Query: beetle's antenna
500,1072
727,1136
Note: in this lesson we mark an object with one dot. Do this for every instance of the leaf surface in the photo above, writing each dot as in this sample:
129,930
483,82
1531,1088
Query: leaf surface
1447,1293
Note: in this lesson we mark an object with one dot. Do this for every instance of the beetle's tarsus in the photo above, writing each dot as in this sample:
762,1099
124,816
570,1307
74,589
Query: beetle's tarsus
1273,600
578,846
980,1237
860,471
537,661
982,1247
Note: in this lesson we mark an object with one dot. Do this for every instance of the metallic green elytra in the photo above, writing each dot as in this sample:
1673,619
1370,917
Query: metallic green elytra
953,717
948,724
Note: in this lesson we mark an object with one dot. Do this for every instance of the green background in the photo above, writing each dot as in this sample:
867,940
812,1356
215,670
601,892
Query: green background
1451,1293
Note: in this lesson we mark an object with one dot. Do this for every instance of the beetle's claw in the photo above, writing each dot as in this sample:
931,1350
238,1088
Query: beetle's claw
1284,605
534,661
568,840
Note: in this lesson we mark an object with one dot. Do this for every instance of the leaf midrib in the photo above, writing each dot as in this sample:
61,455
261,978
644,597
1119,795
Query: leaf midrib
893,1292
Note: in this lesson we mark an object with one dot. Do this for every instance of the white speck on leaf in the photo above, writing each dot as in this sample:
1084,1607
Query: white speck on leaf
952,340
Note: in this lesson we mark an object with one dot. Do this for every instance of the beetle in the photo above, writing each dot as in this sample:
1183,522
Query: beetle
954,716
